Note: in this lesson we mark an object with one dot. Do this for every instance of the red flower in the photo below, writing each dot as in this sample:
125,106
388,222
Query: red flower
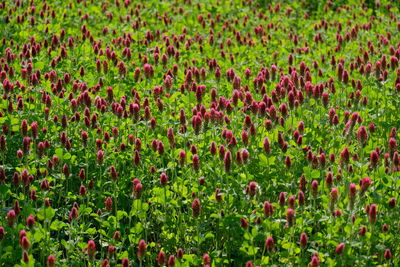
282,199
388,254
352,194
392,203
136,158
65,170
301,198
73,214
315,260
25,245
334,195
161,258
108,203
291,202
362,231
362,135
91,249
25,257
138,190
244,223
125,262
196,208
182,157
372,213
142,249
303,239
196,162
51,261
179,253
171,260
117,236
113,173
206,259
329,179
11,217
269,244
340,248
100,156
227,161
374,158
268,209
252,189
30,221
314,188
290,217
365,183
288,162
163,179
345,156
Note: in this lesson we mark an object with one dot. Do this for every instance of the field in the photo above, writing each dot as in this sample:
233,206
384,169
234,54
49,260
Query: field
199,133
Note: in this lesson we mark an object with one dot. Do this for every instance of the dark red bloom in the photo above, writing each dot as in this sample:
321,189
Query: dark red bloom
227,161
365,183
182,157
315,262
108,203
206,259
163,179
314,188
303,239
171,261
372,213
11,217
196,208
74,213
91,249
142,249
196,162
269,244
25,245
252,189
374,158
51,261
179,253
388,254
161,258
113,173
340,248
392,203
290,217
30,221
125,262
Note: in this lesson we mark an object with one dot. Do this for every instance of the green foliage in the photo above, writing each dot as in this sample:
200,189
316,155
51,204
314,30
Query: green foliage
93,169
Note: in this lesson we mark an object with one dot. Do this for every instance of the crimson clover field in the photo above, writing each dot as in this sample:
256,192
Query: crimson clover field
199,133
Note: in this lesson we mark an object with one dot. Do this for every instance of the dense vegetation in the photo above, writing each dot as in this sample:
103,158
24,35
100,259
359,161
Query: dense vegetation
190,133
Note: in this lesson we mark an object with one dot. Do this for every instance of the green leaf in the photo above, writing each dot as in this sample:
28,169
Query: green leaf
91,231
57,225
46,213
59,153
121,214
315,174
265,260
38,236
209,235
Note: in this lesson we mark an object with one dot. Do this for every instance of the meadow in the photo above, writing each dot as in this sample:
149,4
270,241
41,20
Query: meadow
199,133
